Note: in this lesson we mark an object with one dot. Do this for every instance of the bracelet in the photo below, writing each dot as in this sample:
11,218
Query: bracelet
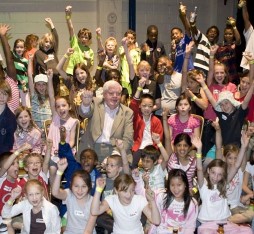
67,17
205,88
161,74
98,37
211,56
251,61
198,155
139,88
99,189
99,68
66,56
10,202
59,172
16,153
194,98
159,144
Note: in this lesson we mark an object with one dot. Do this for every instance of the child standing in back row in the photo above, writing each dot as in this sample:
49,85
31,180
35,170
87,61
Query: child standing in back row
80,43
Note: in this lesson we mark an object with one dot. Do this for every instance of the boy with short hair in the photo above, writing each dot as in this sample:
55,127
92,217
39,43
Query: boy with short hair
82,52
179,41
8,123
144,122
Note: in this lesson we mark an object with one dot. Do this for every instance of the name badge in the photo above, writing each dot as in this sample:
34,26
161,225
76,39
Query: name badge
176,166
39,221
187,130
216,91
224,117
79,213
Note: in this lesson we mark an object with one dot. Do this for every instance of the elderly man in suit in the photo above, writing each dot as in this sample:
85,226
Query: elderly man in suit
108,120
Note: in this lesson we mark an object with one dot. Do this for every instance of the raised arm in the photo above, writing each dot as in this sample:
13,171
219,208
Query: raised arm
185,21
54,33
60,65
213,50
128,57
30,75
51,91
120,146
231,21
246,18
97,76
188,51
99,41
56,189
12,157
45,165
244,144
200,174
164,154
98,207
151,210
11,70
68,13
167,133
200,79
218,139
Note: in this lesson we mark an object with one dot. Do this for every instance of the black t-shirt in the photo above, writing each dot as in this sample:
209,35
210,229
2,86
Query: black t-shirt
153,88
37,225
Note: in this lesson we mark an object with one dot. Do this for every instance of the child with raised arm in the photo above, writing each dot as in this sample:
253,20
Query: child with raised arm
177,208
11,74
180,40
213,189
77,199
135,56
112,59
229,111
143,72
46,57
80,43
125,205
41,215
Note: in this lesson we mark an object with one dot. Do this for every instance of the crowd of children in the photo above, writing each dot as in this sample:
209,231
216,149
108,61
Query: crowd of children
190,169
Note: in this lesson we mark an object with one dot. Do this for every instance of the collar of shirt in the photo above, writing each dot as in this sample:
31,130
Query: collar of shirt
110,111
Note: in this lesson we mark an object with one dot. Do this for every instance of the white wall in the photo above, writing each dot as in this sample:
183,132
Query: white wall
27,16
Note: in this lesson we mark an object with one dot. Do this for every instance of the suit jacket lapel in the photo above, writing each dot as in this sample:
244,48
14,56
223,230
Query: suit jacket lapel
117,121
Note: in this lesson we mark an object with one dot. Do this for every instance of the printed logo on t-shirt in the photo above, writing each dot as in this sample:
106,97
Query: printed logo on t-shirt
133,214
3,131
79,213
224,117
215,197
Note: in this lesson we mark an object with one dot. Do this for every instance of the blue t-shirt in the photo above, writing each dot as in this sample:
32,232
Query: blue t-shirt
180,52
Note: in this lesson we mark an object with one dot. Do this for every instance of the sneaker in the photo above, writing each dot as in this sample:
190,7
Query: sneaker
241,3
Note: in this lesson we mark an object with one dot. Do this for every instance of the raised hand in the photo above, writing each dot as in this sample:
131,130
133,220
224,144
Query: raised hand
68,10
70,51
62,164
119,144
98,32
4,28
15,193
196,141
189,48
142,82
156,137
149,194
101,182
248,55
213,49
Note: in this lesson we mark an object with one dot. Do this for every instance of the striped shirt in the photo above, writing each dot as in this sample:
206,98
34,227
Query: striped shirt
13,103
190,169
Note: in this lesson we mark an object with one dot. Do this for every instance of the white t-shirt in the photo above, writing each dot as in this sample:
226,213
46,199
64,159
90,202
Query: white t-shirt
250,169
214,207
127,218
249,38
234,190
